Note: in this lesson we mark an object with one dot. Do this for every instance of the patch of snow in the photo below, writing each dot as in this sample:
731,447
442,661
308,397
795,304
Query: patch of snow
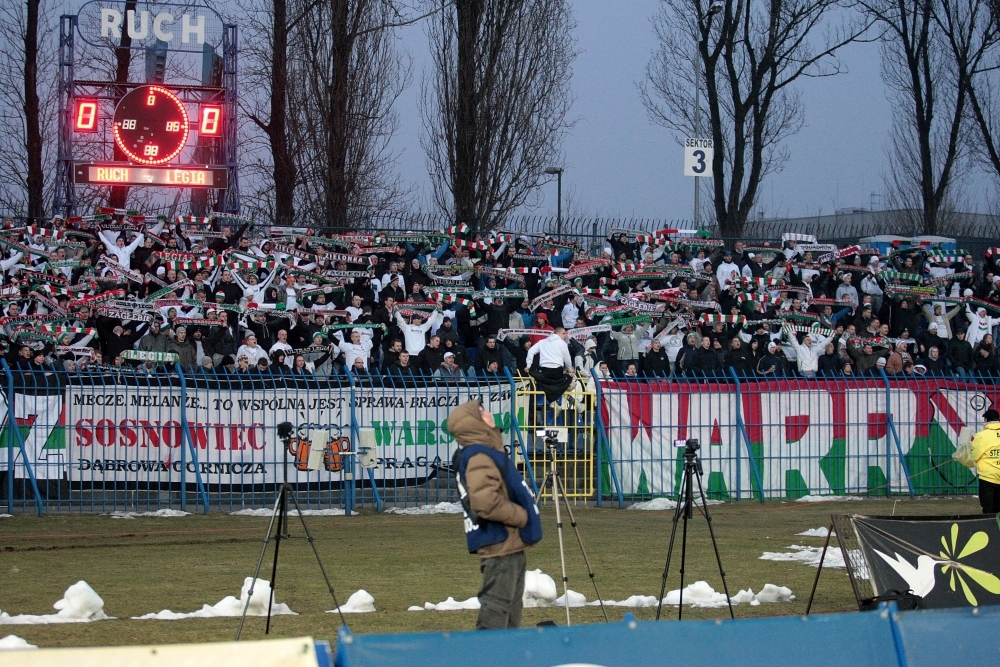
816,532
698,594
772,593
826,499
633,601
414,608
575,599
165,513
701,594
14,643
230,606
360,602
440,508
267,512
807,555
666,504
539,589
7,516
451,604
79,604
744,596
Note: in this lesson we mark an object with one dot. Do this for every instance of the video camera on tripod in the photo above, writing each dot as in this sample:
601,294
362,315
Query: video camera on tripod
553,436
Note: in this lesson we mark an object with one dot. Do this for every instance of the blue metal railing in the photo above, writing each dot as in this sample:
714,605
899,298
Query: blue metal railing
116,439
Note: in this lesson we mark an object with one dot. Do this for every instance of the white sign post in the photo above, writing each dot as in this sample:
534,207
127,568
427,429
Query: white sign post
698,156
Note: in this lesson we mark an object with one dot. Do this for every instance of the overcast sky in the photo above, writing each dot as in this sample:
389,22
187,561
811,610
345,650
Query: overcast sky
619,163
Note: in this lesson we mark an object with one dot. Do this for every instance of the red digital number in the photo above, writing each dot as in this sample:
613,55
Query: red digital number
86,116
210,117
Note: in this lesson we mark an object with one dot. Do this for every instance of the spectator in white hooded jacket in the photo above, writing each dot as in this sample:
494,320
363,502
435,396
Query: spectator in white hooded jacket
807,352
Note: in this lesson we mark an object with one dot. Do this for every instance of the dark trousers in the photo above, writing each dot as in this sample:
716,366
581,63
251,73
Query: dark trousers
500,597
553,381
989,496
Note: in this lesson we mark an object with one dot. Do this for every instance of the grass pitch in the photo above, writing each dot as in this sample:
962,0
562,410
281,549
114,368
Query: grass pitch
146,565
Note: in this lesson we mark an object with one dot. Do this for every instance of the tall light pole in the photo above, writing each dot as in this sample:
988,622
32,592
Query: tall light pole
558,172
714,9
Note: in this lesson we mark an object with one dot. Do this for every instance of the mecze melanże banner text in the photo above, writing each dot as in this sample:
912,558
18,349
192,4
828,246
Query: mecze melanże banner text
803,437
134,433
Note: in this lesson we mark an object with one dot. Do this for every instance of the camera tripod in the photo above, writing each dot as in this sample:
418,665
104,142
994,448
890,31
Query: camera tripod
685,508
279,525
559,492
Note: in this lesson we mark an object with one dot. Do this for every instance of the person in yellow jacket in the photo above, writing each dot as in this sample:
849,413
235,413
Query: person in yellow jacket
985,452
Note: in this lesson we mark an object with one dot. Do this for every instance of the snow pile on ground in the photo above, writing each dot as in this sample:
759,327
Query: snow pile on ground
807,555
14,643
816,532
667,504
165,513
80,604
826,499
700,594
451,604
361,602
230,606
440,508
539,589
772,593
6,516
267,512
633,601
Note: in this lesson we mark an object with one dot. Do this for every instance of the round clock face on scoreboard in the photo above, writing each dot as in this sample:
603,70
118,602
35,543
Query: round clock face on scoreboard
150,125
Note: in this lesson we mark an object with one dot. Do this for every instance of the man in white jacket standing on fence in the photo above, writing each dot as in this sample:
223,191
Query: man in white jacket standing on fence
807,352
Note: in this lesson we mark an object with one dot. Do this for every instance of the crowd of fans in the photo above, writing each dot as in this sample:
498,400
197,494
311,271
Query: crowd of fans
123,297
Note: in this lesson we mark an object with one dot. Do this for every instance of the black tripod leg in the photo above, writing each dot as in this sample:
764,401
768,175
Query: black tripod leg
822,557
670,549
260,561
684,543
586,559
319,561
282,527
715,545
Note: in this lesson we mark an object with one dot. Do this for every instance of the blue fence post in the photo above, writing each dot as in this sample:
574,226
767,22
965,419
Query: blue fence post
350,481
515,430
895,437
603,440
12,428
742,428
186,435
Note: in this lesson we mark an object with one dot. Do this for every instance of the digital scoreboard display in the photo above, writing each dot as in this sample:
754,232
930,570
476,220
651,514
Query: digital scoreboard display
150,125
123,173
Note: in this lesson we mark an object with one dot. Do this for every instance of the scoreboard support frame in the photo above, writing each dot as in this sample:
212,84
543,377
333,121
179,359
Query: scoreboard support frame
71,90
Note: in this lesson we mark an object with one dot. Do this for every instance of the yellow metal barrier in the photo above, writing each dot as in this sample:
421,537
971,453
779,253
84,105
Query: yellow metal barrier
576,420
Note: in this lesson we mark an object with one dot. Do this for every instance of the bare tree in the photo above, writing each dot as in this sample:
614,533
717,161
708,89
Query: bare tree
27,104
746,55
346,80
495,107
928,84
971,31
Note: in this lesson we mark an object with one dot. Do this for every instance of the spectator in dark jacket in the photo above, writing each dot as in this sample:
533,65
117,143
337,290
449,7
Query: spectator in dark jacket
655,362
488,353
934,363
774,363
986,361
831,362
960,354
703,361
739,358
